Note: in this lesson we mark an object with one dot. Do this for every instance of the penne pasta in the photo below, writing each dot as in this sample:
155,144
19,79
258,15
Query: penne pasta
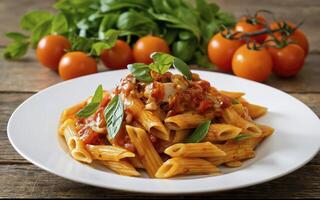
184,121
146,151
67,113
234,95
180,135
135,161
205,149
221,132
233,164
121,167
183,166
108,152
150,121
230,116
256,111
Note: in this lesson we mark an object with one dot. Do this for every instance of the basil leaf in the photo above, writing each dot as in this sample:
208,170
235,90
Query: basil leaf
108,21
200,132
182,67
202,60
243,137
161,62
17,37
235,101
30,20
114,116
59,24
93,105
40,31
15,50
140,71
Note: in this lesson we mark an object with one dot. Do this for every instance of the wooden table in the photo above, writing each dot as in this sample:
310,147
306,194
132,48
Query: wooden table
21,79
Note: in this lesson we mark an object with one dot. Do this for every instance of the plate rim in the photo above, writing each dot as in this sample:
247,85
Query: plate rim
159,191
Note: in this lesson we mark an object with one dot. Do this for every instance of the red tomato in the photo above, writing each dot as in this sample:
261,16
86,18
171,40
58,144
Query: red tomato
252,64
252,24
117,57
221,50
287,61
145,46
75,64
297,36
88,136
50,49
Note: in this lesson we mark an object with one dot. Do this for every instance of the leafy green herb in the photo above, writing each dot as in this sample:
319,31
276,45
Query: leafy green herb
184,49
235,101
243,137
114,115
140,71
199,133
40,31
161,62
17,37
32,19
182,67
59,24
109,41
15,50
93,105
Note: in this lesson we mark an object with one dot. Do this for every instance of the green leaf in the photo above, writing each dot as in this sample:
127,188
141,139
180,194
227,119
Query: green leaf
93,105
199,133
227,18
243,137
170,35
112,5
109,21
15,50
80,43
182,67
184,49
32,19
202,60
40,31
18,37
140,71
59,24
114,116
235,101
185,35
109,41
161,62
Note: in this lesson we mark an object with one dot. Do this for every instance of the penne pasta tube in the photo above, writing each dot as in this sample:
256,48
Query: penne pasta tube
108,152
146,151
67,113
222,132
135,161
256,111
266,130
121,167
150,121
206,149
234,95
180,135
185,166
230,116
232,154
233,164
184,121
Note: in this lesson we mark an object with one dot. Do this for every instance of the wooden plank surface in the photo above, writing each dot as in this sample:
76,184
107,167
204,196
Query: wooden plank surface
20,79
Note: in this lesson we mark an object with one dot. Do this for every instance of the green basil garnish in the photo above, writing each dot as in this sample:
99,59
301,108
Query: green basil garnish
93,105
141,71
243,137
181,66
199,133
114,116
161,62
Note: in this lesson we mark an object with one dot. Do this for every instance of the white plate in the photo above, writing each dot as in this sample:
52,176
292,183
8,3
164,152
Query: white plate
32,130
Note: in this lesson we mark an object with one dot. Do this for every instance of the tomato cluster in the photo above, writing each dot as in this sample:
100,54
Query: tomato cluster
253,49
53,51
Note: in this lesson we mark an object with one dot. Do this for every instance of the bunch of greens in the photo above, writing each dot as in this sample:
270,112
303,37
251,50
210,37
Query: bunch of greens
187,28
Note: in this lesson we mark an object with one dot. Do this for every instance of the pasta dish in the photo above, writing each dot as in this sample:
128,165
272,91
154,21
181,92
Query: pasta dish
164,123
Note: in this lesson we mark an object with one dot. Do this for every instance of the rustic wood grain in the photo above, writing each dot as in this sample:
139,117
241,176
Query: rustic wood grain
285,9
29,76
29,181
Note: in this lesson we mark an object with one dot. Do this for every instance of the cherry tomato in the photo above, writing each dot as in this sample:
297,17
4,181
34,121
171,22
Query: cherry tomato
287,61
221,50
252,64
252,24
50,49
118,56
145,46
297,36
75,64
